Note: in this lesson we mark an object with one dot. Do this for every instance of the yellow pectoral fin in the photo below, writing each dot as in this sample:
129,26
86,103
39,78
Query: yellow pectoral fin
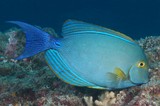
117,75
120,74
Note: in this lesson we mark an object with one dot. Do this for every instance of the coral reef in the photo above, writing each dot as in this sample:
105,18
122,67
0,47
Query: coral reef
30,81
106,99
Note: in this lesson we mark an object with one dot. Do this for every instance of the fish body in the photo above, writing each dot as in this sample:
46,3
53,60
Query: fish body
89,55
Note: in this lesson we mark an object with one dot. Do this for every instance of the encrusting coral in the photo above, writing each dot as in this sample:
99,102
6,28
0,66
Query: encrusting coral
30,81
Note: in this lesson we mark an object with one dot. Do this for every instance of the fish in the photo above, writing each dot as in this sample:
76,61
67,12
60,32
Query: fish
88,55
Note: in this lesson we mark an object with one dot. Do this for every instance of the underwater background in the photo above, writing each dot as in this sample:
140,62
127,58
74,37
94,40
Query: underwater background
136,18
31,83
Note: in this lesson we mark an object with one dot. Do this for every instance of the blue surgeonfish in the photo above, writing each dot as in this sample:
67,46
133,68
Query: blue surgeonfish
88,55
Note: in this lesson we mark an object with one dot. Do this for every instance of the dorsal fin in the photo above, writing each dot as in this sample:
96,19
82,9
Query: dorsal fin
72,27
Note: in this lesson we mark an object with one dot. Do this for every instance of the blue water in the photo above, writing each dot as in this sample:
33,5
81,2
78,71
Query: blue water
136,18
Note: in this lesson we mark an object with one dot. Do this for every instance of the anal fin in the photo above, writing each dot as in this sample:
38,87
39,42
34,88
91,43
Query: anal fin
64,72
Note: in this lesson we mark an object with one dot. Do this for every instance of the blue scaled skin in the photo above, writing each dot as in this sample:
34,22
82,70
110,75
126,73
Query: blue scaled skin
89,55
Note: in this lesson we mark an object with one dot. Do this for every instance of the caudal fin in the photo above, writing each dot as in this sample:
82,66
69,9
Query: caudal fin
36,40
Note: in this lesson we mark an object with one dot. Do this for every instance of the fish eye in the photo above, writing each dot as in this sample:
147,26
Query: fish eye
141,64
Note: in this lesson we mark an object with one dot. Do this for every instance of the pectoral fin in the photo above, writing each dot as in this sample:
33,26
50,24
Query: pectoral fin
117,75
114,78
120,74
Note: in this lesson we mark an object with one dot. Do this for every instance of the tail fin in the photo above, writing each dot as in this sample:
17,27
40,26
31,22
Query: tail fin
36,40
